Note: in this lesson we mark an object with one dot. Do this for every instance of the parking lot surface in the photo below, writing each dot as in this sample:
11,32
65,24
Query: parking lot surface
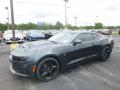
94,75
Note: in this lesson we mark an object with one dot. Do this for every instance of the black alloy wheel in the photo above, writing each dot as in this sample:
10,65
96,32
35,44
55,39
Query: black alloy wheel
106,53
48,69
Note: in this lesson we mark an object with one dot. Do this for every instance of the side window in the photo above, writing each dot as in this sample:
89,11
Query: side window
84,37
95,36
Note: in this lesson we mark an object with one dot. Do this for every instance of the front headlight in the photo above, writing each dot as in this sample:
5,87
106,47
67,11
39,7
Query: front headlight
15,58
23,58
7,38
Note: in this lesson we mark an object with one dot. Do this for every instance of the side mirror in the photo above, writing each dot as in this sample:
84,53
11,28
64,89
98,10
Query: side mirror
77,42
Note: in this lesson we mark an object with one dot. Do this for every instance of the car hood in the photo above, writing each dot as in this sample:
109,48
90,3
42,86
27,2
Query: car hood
10,35
32,48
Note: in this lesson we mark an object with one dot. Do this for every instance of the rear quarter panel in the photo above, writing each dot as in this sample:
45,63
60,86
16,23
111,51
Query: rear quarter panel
103,41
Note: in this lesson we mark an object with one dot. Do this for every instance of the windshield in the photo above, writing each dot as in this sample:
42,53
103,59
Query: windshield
63,37
36,33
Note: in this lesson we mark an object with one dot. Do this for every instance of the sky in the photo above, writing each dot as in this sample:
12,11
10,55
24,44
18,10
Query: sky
50,11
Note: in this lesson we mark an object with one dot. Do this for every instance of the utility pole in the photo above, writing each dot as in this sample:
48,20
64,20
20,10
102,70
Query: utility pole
67,16
12,20
66,1
75,22
8,16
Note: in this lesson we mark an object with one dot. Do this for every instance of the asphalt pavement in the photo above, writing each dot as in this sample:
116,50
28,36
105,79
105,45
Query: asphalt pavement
94,75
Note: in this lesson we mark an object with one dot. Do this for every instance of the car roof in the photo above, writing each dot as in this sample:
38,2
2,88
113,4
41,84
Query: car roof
82,31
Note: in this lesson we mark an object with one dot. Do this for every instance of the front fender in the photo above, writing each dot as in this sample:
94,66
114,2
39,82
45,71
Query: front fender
46,55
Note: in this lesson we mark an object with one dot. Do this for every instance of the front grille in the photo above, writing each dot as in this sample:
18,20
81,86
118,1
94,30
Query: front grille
18,67
16,39
15,58
18,63
18,59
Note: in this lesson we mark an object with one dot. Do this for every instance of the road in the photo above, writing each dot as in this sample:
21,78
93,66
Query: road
95,75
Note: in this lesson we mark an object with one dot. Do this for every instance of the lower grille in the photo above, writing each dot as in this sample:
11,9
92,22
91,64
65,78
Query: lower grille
16,39
18,67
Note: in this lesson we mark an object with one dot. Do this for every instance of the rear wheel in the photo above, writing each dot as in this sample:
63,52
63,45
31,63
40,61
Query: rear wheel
47,69
106,53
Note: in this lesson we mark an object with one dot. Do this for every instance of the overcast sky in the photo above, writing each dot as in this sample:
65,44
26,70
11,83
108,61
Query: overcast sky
87,11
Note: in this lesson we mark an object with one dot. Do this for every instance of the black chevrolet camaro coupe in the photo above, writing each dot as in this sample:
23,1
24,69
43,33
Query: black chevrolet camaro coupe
46,58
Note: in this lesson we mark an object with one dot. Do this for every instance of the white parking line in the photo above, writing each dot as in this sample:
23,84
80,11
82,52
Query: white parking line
70,82
117,44
106,71
93,76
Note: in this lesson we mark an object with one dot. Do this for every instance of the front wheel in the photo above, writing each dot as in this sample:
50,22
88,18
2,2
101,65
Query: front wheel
47,69
106,53
30,39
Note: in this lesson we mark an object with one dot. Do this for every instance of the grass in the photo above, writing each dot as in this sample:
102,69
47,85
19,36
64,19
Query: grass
114,33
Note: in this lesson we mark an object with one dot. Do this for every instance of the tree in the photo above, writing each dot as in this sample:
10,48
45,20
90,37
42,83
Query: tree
87,27
59,25
3,27
98,25
109,27
51,26
27,26
69,26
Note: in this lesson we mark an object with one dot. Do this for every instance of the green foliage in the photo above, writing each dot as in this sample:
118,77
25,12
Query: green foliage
3,27
118,27
114,33
45,26
27,26
98,26
109,27
69,26
51,26
87,27
59,25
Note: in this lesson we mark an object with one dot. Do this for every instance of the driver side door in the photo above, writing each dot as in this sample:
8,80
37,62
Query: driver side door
82,50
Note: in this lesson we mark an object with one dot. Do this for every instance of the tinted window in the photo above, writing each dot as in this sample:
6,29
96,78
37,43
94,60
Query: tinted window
86,37
95,35
63,37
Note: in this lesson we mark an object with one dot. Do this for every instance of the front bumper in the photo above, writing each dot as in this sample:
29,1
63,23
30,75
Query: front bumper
18,40
17,73
21,68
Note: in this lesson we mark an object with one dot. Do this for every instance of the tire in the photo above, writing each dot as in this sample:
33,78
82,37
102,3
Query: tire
106,53
30,39
47,69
